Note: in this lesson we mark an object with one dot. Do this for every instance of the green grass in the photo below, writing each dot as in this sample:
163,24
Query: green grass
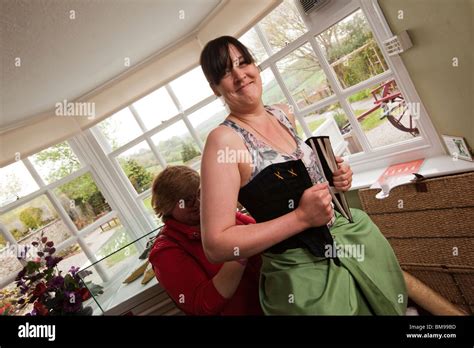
372,121
312,126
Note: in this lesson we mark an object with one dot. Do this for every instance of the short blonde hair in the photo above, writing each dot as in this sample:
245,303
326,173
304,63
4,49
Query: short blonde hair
171,185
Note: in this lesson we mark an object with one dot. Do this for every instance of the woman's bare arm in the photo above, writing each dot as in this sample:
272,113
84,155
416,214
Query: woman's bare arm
220,184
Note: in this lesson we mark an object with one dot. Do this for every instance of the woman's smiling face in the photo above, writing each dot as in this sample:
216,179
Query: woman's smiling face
241,85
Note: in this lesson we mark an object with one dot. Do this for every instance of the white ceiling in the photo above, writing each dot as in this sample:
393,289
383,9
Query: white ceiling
63,58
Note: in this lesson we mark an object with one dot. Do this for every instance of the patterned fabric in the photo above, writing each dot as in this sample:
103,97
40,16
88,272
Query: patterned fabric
263,155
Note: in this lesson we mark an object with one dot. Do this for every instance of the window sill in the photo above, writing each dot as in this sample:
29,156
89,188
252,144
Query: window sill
434,166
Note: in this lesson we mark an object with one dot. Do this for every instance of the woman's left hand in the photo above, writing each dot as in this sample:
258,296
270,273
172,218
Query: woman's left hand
342,177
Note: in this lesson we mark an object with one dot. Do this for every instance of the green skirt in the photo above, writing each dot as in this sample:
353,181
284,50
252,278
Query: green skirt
369,280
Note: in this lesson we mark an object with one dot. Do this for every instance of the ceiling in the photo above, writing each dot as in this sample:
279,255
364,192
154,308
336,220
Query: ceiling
64,57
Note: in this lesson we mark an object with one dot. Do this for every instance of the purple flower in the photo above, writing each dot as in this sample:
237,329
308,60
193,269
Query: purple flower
52,261
73,270
56,282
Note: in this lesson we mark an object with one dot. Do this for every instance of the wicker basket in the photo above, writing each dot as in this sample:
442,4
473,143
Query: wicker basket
432,232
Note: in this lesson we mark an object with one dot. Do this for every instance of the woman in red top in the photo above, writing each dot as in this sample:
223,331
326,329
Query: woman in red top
197,286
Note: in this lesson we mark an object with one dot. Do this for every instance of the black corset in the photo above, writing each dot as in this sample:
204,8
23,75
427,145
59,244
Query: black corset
276,191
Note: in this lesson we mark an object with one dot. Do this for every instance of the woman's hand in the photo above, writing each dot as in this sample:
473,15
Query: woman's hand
342,177
315,207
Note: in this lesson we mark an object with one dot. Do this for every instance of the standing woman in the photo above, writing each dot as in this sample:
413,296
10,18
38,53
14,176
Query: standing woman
255,157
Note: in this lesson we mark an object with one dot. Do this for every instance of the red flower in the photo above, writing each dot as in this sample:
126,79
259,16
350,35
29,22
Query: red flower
5,309
40,308
39,290
84,293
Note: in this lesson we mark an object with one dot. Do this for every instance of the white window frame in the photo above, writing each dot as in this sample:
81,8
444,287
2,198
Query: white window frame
426,146
77,236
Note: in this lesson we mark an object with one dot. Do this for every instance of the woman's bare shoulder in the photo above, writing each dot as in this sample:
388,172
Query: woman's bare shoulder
222,136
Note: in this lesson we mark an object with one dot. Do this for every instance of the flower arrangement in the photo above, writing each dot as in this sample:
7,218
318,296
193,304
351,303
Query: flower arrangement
42,284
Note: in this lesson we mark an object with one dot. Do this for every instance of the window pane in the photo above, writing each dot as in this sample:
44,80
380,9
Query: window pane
251,40
177,146
332,120
149,208
55,162
107,239
191,88
33,218
120,128
9,264
156,108
350,48
272,93
140,166
82,200
384,115
304,77
283,25
207,118
15,182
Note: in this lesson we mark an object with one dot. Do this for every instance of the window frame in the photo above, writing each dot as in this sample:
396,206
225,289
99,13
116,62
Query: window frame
76,235
427,145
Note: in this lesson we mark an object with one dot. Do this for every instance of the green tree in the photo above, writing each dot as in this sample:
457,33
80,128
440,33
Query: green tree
138,175
60,160
188,152
31,217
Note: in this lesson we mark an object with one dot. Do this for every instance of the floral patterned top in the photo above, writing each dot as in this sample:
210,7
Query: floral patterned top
263,155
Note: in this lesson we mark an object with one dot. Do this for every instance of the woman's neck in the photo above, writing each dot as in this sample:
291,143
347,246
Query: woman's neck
252,115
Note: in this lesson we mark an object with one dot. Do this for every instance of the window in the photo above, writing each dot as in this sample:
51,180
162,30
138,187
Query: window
119,129
290,26
56,162
207,118
304,77
156,108
350,48
336,77
61,200
191,88
140,166
177,145
15,182
251,40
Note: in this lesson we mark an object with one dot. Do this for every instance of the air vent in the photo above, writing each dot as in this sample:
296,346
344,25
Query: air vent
311,5
397,44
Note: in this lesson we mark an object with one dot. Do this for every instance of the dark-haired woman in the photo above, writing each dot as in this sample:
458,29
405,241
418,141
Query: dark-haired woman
255,157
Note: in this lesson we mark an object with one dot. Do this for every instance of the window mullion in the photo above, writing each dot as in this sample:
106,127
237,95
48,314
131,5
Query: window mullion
144,130
263,38
108,180
334,83
185,118
38,179
290,99
73,229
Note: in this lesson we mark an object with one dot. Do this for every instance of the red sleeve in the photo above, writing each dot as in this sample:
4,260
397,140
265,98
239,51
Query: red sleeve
185,282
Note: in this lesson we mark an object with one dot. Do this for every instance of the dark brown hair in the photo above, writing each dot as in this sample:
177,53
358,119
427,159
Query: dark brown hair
215,58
